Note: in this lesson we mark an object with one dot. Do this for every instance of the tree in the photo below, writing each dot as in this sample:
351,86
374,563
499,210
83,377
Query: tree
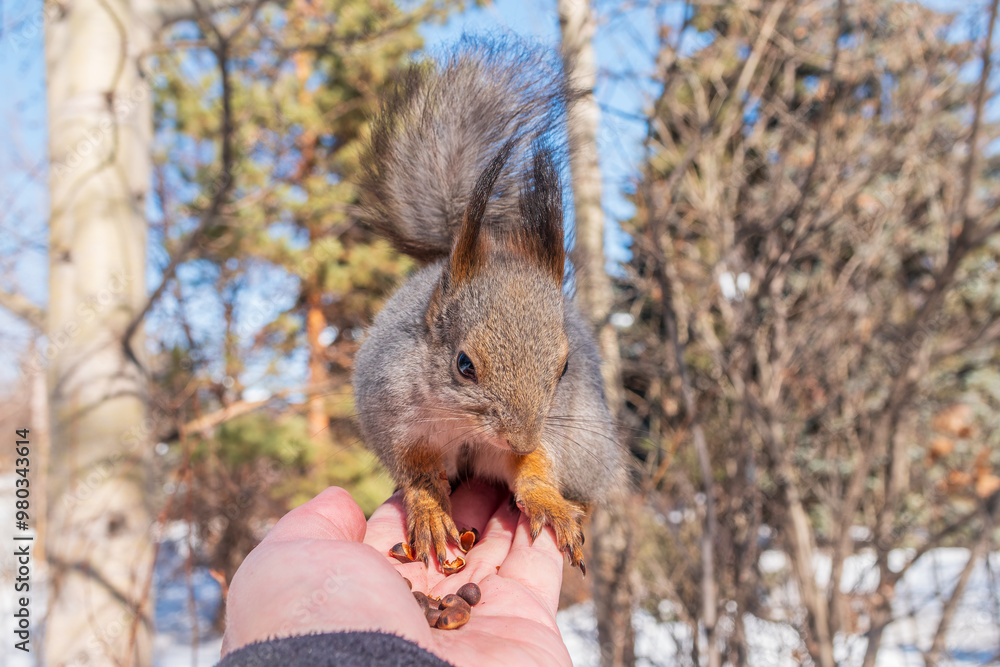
610,526
287,265
99,135
106,65
819,256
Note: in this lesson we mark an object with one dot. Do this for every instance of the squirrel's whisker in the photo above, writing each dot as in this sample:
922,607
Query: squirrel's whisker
461,171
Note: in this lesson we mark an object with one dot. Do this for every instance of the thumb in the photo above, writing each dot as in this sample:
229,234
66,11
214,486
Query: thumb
332,515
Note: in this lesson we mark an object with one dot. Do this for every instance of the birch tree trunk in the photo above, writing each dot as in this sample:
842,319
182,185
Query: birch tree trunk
611,526
100,128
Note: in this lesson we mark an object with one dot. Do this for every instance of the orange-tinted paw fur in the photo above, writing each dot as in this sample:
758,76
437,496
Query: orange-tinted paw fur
545,505
428,520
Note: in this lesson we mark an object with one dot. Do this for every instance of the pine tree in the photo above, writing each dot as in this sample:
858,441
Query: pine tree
288,272
250,114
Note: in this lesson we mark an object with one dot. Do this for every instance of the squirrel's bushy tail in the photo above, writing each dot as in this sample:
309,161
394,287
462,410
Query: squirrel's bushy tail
440,127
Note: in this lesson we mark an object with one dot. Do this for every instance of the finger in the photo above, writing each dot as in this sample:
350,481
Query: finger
536,565
483,507
474,503
387,525
332,515
387,528
489,553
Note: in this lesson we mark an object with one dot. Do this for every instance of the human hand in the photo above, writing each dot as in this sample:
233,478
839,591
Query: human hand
322,568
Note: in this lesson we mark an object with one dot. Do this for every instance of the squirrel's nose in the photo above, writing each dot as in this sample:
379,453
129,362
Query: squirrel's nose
522,443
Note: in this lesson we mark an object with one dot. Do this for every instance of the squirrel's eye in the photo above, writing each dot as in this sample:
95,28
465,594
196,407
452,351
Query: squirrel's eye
565,368
465,366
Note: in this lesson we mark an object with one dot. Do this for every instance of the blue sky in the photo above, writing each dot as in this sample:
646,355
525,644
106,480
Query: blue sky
625,43
23,196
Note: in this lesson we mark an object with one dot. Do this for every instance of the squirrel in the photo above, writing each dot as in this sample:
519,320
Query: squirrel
480,365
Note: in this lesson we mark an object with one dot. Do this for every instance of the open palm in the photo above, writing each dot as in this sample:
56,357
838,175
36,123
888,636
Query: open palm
323,568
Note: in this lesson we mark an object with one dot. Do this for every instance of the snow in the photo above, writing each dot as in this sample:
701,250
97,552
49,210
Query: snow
974,637
175,644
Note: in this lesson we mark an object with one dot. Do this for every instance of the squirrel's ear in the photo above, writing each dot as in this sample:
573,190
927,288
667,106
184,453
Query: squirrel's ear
469,252
541,209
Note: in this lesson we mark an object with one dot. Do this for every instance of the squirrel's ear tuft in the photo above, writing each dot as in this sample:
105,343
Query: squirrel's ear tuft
469,252
541,209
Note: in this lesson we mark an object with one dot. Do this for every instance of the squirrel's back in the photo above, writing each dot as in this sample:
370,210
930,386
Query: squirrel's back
440,127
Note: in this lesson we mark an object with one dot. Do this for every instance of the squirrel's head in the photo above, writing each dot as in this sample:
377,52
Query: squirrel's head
497,332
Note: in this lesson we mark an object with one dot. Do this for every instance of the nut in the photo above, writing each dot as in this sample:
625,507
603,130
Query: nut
432,615
453,600
454,617
468,538
453,566
423,601
402,552
470,593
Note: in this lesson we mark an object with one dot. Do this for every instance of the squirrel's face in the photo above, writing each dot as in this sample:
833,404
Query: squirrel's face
500,349
496,320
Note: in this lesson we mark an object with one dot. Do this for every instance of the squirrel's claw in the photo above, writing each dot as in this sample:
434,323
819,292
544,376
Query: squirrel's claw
429,525
575,554
432,531
547,506
537,523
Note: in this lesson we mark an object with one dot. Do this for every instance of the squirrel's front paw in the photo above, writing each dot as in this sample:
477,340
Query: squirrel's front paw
545,505
429,522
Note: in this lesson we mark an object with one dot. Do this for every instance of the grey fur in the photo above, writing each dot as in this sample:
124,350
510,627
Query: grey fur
440,127
510,315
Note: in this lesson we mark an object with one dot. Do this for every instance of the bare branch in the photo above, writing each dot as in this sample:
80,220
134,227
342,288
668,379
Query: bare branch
933,655
933,542
167,12
225,180
20,306
963,212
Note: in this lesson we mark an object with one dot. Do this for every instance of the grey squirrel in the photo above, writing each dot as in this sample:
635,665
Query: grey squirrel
480,365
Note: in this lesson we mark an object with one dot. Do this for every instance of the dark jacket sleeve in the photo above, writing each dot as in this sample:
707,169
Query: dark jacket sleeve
340,649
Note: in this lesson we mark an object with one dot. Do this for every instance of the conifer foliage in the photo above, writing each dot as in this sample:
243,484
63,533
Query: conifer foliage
260,111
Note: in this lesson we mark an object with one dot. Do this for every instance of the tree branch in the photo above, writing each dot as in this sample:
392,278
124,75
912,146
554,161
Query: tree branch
23,308
963,212
225,179
167,12
933,655
933,542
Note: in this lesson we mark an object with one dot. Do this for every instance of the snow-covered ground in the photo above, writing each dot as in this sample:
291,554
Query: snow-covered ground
974,638
181,597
